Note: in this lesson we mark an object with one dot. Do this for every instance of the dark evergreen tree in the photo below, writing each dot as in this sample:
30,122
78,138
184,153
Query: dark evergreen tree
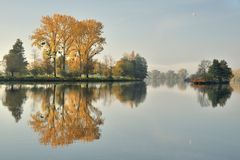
220,71
15,60
140,67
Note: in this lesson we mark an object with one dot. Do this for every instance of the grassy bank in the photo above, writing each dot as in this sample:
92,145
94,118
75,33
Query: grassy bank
43,79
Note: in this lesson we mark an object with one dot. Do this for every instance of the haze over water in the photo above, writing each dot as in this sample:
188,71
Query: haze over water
119,121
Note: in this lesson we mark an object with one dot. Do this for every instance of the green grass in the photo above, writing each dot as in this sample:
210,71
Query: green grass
45,78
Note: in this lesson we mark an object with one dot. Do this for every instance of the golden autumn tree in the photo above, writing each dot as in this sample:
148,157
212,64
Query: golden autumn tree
75,59
47,38
64,38
66,32
93,42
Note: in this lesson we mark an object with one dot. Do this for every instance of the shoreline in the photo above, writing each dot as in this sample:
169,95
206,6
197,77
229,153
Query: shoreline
210,83
62,80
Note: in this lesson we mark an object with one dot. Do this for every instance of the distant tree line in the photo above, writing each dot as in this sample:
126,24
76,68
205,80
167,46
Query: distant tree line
67,47
170,78
181,75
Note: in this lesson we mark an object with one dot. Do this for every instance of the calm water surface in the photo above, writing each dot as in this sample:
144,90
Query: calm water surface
119,121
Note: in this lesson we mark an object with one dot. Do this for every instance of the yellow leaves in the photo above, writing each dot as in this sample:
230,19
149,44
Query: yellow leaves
62,34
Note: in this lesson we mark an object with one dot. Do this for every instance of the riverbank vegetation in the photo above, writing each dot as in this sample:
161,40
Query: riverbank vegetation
209,72
66,50
215,72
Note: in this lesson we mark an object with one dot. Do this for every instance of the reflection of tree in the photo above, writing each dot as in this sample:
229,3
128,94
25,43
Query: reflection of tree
66,115
182,85
132,93
170,83
156,82
216,95
13,99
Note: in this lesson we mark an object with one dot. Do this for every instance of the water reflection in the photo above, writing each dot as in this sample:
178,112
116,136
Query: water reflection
133,94
64,114
207,95
14,98
214,95
170,83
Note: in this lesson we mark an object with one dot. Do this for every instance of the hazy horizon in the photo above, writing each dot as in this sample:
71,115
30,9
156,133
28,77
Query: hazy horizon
170,35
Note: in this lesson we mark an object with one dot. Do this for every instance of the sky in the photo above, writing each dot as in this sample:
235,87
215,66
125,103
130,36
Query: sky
170,34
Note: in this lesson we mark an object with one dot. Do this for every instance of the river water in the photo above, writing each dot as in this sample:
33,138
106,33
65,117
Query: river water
119,121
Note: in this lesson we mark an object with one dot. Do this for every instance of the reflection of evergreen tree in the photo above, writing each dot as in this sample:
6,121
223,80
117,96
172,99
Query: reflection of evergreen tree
216,95
13,99
219,95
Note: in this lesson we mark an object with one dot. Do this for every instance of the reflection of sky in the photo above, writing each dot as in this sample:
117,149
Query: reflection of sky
170,34
168,125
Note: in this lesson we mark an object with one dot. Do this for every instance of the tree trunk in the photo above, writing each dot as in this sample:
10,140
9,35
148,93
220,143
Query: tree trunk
87,69
12,73
80,64
54,66
64,61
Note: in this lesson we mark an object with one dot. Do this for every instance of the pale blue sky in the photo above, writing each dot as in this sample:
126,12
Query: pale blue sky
169,33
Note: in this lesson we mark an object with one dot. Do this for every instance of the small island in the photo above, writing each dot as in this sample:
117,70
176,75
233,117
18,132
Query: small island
216,72
65,50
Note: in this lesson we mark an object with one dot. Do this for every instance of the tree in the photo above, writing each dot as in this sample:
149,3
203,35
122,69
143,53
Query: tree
65,38
203,67
108,66
140,67
226,71
46,37
93,42
124,67
154,74
66,32
182,74
15,60
220,71
76,56
132,65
